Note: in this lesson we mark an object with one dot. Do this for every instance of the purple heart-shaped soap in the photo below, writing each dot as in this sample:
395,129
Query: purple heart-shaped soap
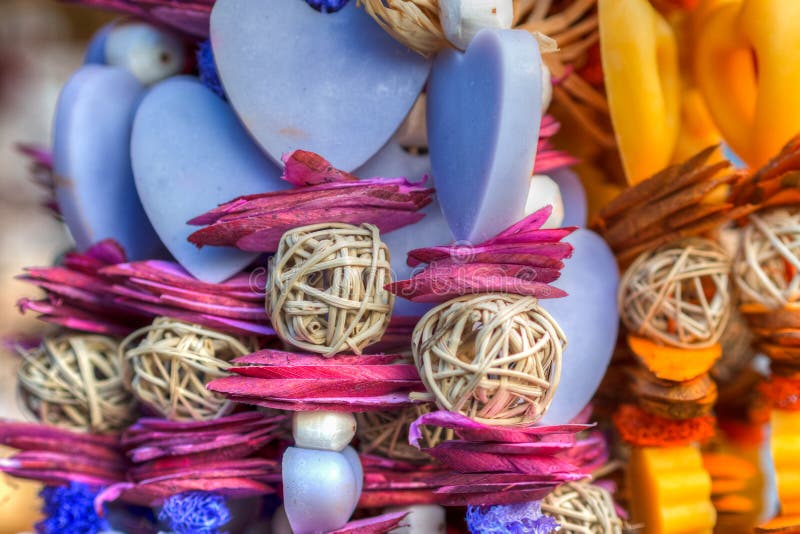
589,318
484,112
190,154
91,157
332,83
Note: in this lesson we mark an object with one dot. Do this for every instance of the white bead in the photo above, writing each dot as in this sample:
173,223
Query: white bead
149,53
547,88
545,191
319,489
327,431
462,19
422,519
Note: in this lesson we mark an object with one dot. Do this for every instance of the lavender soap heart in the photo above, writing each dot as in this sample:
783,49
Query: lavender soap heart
190,154
91,156
332,83
484,113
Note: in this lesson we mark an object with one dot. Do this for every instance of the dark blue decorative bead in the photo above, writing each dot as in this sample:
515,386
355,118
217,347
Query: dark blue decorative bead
208,69
70,510
327,6
195,512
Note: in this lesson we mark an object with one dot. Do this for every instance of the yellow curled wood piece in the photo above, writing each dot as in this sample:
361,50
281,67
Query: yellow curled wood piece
747,65
642,79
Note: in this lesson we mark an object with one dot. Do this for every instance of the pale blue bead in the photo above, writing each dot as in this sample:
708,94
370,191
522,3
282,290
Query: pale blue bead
331,83
589,318
483,116
320,489
91,157
190,154
573,196
358,470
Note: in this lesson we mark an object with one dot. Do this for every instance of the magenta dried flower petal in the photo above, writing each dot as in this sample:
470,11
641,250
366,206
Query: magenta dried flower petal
373,525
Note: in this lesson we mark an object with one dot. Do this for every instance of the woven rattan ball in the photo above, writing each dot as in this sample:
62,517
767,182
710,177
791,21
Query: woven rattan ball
767,267
493,357
325,291
385,433
678,294
582,508
170,362
76,382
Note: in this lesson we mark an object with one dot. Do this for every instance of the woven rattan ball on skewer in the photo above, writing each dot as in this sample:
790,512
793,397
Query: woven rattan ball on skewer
582,508
493,357
325,291
678,294
170,362
767,267
385,433
76,382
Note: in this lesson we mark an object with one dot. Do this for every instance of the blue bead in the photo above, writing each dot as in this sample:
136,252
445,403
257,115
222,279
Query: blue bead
327,6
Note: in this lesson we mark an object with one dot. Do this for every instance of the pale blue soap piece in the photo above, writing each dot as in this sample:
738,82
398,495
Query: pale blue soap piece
332,83
96,51
189,155
483,116
358,470
589,318
573,196
320,490
91,155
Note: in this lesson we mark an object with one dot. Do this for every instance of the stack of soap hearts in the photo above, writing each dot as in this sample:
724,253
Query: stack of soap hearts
227,456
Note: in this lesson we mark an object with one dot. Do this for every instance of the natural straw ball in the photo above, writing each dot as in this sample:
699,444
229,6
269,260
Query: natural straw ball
415,23
767,267
385,433
678,294
495,357
76,382
170,362
582,508
325,290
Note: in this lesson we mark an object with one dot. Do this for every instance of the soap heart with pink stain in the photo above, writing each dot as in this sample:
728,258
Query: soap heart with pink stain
483,116
332,83
190,154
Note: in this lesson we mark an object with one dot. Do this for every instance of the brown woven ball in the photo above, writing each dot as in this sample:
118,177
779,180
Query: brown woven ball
170,362
76,382
767,267
678,294
493,357
325,291
582,508
385,433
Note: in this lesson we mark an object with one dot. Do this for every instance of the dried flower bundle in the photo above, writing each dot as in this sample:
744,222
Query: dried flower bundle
775,184
97,291
291,381
321,194
522,259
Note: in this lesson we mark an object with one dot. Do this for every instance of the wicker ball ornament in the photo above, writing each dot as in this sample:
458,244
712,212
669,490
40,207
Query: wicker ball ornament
385,433
582,508
767,267
76,382
325,291
170,362
495,358
678,294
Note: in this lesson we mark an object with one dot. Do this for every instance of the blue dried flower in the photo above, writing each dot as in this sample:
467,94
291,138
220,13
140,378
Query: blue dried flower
195,512
208,68
522,518
70,510
327,6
